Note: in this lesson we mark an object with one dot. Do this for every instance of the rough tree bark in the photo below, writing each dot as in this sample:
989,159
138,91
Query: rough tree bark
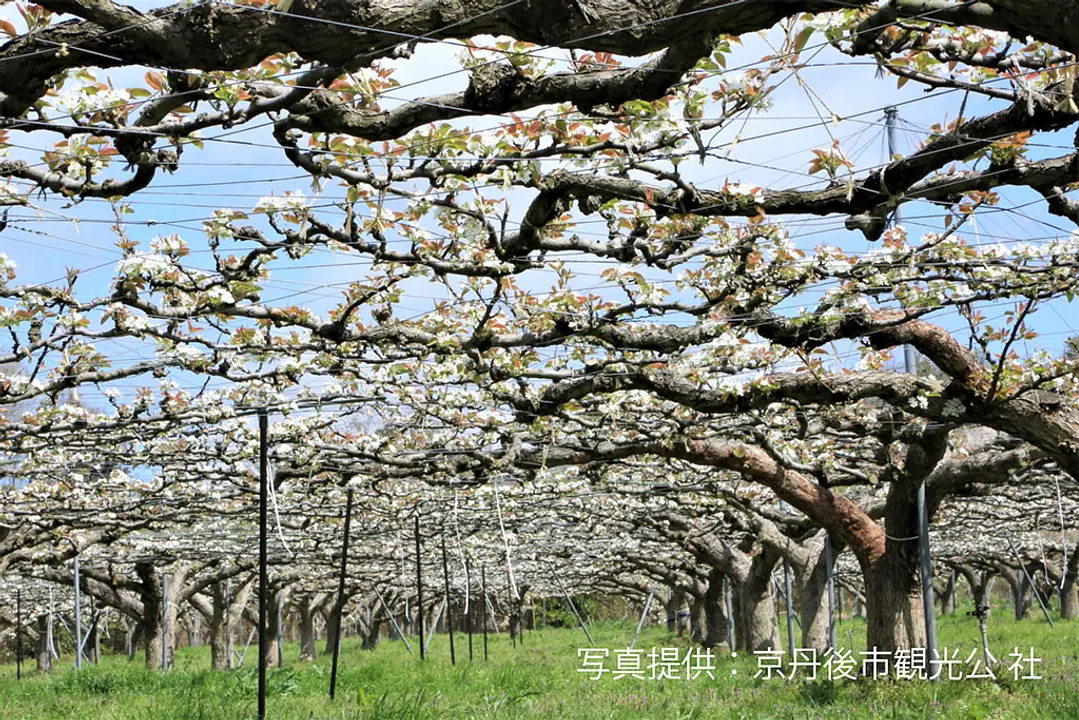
43,653
308,607
812,588
715,612
946,592
697,621
757,625
150,622
274,619
673,607
978,582
370,627
332,624
180,37
1069,609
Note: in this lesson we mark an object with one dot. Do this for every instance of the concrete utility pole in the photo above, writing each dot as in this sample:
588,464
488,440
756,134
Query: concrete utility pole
925,560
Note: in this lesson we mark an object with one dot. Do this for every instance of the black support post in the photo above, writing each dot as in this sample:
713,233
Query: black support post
264,574
483,608
449,600
339,606
419,586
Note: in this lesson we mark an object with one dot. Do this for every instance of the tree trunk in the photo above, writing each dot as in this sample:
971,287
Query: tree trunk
858,605
273,629
220,640
150,622
757,624
895,619
978,582
813,603
894,616
697,622
332,623
132,638
947,596
673,606
44,652
715,613
370,632
93,642
1069,605
514,622
1017,583
307,613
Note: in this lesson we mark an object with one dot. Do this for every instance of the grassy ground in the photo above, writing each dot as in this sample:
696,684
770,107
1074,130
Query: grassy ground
541,680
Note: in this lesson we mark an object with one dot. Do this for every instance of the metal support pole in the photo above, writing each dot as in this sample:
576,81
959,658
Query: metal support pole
468,608
339,606
831,590
483,607
280,636
729,604
640,623
1033,589
449,603
510,616
94,650
228,623
569,601
985,639
520,619
393,621
419,586
890,116
1017,595
164,621
434,624
78,619
18,633
925,564
264,573
789,602
50,646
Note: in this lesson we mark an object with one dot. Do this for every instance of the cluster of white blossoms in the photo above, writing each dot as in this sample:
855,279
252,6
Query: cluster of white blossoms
145,265
125,320
919,402
218,295
995,38
747,87
744,190
89,99
829,20
17,383
7,269
292,200
172,245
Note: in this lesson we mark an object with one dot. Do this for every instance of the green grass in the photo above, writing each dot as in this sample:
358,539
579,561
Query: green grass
540,680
